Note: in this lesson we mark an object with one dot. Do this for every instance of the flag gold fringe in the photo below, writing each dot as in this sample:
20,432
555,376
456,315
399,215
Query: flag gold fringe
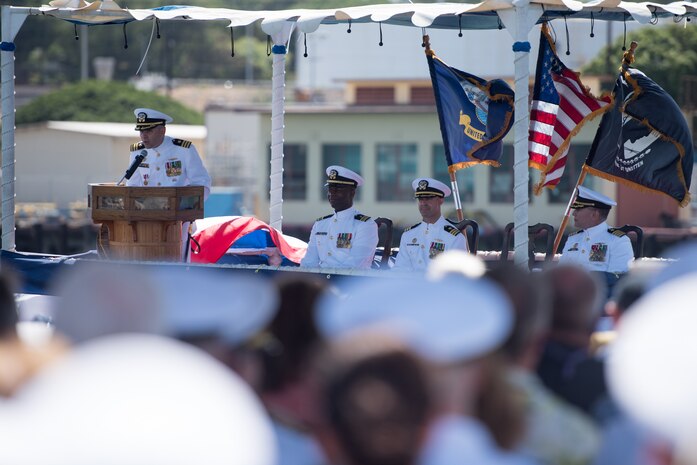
601,174
536,165
466,164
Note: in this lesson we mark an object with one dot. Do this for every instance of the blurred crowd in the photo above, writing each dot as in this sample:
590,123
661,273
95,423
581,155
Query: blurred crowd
464,364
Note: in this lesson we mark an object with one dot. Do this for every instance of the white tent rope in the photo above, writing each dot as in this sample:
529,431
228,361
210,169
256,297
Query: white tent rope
147,49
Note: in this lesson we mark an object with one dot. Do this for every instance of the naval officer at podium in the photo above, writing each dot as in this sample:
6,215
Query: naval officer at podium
167,162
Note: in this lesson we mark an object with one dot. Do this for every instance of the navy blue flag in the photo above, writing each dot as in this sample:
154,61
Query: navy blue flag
474,115
644,140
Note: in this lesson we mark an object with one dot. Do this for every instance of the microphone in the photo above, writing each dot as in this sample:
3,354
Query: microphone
134,166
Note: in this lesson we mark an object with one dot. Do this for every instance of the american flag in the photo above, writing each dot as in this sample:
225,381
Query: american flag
560,106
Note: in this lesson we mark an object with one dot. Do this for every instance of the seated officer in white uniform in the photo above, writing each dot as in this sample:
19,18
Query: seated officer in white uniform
346,238
424,241
596,247
168,162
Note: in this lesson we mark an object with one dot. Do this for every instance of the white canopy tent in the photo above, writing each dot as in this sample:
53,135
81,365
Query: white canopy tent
517,16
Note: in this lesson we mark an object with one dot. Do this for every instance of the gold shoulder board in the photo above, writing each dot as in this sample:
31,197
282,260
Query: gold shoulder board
181,142
452,230
362,217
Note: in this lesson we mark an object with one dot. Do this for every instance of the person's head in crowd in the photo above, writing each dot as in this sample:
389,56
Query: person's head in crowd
455,324
151,125
650,369
289,341
26,347
590,208
134,399
377,401
430,195
8,307
341,187
96,299
627,291
218,311
577,299
530,299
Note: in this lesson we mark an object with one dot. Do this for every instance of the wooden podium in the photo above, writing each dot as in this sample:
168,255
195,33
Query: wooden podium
144,223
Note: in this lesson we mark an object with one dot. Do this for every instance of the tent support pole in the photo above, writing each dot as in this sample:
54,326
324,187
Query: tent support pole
280,32
519,22
12,20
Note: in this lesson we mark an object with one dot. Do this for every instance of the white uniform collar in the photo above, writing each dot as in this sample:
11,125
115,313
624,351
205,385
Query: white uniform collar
345,214
597,228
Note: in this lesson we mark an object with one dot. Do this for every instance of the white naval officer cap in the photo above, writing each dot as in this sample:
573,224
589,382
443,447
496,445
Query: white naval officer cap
340,176
590,198
450,320
429,187
232,307
650,370
147,118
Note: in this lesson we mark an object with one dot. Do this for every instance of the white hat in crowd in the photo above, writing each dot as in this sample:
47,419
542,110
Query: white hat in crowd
590,198
429,187
651,366
96,299
450,320
227,305
340,176
134,400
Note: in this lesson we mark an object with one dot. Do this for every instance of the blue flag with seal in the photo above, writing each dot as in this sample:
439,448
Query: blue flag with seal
644,140
474,115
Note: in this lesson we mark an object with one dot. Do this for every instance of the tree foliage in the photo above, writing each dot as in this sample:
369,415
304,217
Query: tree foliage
666,54
48,52
101,101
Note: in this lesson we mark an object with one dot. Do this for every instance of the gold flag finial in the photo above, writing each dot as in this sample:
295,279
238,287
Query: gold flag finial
427,45
628,56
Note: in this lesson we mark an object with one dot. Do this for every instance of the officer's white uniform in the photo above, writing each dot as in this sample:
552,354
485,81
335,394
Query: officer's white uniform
423,242
599,248
175,162
346,239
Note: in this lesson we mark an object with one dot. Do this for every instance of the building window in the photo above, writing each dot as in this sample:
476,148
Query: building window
294,171
421,95
465,177
396,169
501,179
574,162
346,155
375,95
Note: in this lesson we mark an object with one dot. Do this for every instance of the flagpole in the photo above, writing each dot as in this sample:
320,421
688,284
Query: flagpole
456,197
565,220
453,180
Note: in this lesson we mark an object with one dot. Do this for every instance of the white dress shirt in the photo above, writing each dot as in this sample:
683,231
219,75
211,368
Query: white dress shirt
423,242
346,239
598,249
